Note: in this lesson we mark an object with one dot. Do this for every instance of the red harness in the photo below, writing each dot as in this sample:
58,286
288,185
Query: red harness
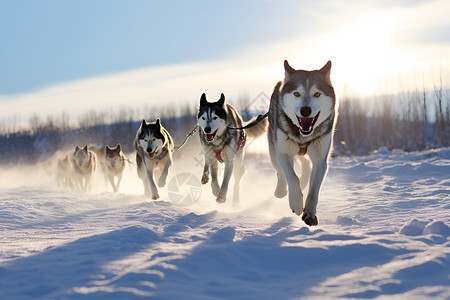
302,150
240,144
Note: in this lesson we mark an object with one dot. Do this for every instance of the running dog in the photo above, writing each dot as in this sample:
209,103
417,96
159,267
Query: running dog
222,144
154,148
84,164
112,161
302,118
63,172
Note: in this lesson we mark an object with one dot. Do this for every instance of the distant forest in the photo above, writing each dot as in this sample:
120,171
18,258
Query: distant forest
410,121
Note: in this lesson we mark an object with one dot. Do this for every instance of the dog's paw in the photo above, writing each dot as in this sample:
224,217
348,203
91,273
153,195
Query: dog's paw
221,198
155,196
296,205
215,189
280,192
310,220
205,179
161,182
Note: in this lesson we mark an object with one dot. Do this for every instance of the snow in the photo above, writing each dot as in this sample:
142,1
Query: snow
383,233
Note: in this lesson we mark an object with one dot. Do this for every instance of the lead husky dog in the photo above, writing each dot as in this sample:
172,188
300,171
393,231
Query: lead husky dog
154,147
302,117
112,162
84,163
221,144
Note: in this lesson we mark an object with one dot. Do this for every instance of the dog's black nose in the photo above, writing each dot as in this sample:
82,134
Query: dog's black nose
305,111
207,129
149,150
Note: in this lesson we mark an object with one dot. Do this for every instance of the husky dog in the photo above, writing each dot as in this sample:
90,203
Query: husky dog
302,117
221,144
63,172
84,164
112,162
154,147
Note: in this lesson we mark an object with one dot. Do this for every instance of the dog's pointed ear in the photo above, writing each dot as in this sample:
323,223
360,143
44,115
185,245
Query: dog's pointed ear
107,147
288,70
144,123
85,148
326,69
203,100
119,147
158,123
221,101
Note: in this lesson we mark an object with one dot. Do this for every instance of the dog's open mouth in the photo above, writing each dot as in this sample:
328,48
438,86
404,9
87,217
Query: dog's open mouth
307,124
151,154
210,136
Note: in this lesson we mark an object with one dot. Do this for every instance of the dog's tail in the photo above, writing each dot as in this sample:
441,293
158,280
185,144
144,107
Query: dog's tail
256,126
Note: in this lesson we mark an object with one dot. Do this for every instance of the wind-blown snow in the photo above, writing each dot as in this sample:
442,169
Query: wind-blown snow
383,233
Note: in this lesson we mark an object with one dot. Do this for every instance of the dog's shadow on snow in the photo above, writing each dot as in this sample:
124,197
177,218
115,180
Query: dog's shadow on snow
220,265
57,270
77,269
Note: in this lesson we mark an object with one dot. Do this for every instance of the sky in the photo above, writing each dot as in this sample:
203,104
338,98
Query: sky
74,56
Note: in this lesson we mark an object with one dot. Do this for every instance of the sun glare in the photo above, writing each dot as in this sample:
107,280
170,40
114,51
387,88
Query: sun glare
363,54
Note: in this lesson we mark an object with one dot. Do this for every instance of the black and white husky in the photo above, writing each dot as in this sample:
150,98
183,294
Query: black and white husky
302,117
221,144
154,147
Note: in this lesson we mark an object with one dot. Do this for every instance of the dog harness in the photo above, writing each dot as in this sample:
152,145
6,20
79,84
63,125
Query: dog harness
240,144
302,150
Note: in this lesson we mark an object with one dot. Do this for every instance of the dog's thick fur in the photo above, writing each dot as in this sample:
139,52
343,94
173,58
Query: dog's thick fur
221,144
84,164
302,117
154,148
112,162
63,173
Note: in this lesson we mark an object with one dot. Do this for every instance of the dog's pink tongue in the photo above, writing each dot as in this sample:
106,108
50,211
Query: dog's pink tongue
209,136
151,154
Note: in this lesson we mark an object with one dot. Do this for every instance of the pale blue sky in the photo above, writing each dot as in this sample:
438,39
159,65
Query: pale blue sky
46,42
74,56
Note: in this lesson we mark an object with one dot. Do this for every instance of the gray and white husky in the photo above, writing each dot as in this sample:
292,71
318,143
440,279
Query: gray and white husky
112,161
63,172
221,144
302,117
84,164
154,147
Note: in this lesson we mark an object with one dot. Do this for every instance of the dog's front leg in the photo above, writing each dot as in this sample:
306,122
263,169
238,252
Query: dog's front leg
318,156
111,181
163,177
213,166
286,163
205,176
119,179
150,177
222,196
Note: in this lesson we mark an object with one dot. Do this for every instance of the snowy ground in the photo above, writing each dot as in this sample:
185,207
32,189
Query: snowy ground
383,233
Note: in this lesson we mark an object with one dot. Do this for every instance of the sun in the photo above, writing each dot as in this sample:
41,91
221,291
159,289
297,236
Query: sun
363,53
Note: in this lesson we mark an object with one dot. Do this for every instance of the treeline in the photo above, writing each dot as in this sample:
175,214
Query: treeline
410,121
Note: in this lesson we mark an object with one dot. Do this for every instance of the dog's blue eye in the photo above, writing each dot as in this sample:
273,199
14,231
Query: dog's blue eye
297,94
317,94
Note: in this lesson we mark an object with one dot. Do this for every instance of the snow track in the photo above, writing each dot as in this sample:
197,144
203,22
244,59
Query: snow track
383,232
